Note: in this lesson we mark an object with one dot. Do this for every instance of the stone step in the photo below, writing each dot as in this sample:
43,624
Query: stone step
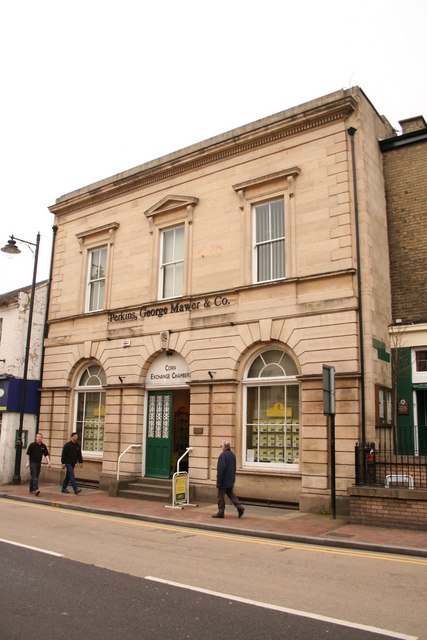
145,495
159,489
139,486
161,482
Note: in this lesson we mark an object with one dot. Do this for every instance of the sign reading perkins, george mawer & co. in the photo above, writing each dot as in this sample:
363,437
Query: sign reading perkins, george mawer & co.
173,307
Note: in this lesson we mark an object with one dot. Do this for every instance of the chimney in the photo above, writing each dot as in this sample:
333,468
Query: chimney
417,123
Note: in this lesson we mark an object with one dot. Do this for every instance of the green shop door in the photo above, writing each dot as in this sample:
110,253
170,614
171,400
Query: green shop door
159,431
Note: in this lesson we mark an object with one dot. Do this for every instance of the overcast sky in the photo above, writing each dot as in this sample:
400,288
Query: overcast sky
91,88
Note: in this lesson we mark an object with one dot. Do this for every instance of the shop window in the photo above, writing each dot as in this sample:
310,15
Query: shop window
272,427
90,412
383,406
172,262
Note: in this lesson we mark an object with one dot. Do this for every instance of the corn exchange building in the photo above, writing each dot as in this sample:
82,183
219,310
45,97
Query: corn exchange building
196,297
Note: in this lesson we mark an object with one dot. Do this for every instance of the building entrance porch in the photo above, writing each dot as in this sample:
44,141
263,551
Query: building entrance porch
167,431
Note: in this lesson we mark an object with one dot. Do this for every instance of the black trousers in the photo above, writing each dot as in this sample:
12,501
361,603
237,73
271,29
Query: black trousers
221,499
34,473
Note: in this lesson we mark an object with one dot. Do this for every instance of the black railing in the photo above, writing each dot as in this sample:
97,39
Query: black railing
395,459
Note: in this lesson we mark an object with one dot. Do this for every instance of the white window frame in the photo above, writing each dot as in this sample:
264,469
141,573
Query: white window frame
270,243
98,283
417,376
94,240
80,425
171,211
178,291
384,406
280,185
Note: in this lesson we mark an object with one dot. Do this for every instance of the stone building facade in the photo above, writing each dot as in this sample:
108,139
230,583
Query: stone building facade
196,297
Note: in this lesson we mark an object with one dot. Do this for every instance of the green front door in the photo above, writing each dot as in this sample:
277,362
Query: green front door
422,421
159,431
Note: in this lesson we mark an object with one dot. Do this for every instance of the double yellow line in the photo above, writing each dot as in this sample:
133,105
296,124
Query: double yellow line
233,537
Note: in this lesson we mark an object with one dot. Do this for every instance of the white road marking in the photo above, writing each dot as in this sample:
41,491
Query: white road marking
26,546
295,612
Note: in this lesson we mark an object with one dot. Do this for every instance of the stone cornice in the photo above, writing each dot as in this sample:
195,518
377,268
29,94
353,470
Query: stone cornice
264,132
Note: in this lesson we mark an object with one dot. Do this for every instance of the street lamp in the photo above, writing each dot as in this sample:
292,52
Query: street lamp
12,249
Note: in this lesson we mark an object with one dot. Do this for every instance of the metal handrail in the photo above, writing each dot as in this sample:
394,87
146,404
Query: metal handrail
180,504
186,452
131,446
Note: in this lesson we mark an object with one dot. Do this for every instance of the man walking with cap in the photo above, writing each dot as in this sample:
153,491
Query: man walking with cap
71,455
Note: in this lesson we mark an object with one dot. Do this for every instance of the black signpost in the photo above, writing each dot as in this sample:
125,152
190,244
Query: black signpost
329,410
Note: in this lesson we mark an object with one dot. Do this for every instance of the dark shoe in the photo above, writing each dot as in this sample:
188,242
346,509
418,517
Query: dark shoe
37,492
241,512
218,515
65,491
77,491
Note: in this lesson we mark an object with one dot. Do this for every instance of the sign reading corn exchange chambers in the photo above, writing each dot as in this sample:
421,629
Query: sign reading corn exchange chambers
168,371
213,302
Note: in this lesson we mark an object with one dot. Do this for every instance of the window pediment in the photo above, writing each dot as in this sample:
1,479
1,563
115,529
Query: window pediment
103,234
171,203
286,178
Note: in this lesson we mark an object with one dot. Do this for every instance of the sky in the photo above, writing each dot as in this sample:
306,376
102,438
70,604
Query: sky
91,88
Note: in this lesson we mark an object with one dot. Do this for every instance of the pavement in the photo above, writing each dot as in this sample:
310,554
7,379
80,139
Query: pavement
258,521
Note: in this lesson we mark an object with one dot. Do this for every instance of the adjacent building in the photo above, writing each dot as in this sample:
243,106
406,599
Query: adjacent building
14,311
405,171
196,297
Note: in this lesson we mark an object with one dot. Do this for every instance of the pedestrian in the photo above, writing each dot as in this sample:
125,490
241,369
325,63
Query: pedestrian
225,479
35,452
71,455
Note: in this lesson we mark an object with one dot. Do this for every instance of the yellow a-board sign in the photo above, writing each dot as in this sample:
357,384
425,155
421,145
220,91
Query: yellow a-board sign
180,491
180,487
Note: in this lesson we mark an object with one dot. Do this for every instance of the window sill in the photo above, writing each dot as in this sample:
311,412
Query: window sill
271,468
90,455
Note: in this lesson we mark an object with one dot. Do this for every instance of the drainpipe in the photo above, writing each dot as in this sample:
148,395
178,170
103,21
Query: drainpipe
46,315
210,423
351,132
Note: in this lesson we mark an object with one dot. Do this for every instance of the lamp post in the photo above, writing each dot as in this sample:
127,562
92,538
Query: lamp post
12,249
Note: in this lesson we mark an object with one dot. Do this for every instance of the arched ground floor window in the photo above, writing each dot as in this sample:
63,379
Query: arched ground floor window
90,409
271,429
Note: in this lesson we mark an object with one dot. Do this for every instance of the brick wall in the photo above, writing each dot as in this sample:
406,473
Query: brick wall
401,508
405,171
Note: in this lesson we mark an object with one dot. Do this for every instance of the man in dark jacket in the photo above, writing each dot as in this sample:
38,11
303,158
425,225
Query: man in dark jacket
35,452
225,479
71,455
